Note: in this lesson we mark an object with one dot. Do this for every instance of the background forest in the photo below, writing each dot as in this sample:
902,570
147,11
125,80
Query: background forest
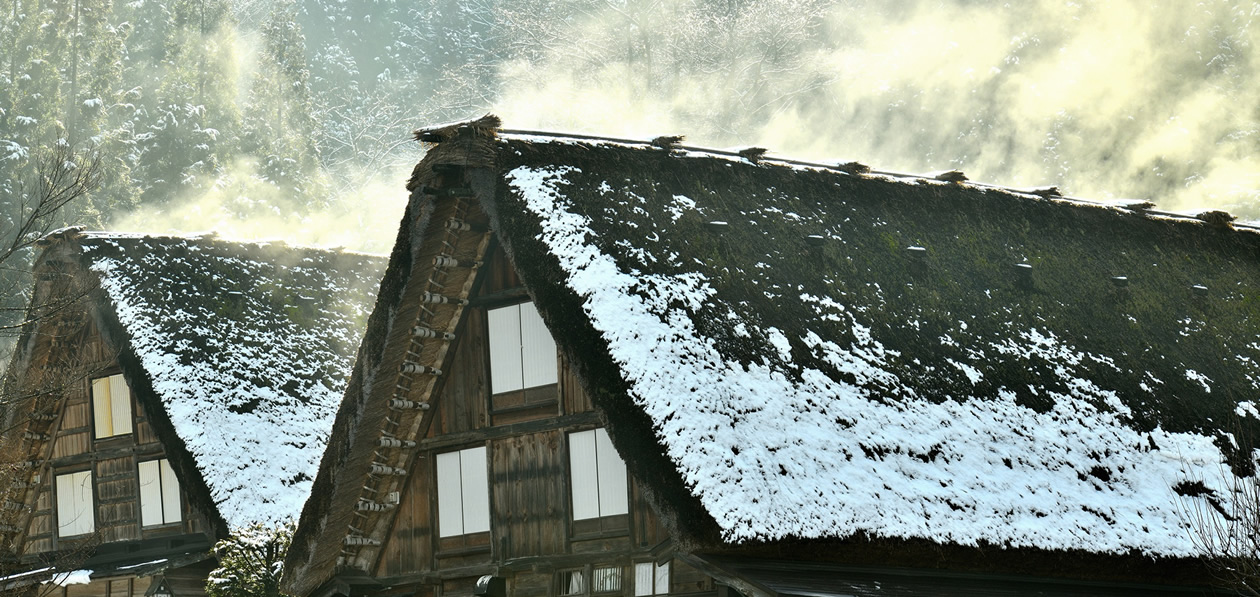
280,118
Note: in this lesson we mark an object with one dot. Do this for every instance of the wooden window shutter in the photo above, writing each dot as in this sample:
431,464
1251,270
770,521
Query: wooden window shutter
651,578
111,406
522,351
644,582
159,493
597,476
450,495
538,350
476,488
505,349
170,493
75,511
120,404
102,413
463,492
150,493
584,475
612,477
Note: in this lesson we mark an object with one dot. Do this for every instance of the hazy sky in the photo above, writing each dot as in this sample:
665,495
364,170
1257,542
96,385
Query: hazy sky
1106,99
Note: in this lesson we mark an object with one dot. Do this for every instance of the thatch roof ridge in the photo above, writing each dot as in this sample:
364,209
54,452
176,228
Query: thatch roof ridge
486,125
1052,193
213,237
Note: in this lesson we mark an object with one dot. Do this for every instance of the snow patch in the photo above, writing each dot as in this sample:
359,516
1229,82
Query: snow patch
73,577
1203,380
973,374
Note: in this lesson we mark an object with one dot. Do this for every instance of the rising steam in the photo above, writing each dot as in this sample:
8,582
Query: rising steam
1154,100
1157,100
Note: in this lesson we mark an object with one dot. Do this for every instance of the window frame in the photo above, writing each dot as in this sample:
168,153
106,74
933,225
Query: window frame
604,458
621,580
531,350
657,578
445,493
112,383
60,492
587,576
164,493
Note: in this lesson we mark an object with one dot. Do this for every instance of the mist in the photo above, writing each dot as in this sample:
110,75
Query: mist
279,119
1155,100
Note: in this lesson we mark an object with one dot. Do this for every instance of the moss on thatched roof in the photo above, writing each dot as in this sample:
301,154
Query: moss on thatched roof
820,354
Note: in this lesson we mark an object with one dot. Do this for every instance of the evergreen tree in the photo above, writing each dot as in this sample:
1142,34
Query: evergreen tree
250,562
278,127
186,118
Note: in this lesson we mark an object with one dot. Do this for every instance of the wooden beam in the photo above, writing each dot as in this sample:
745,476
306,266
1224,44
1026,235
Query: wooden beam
503,296
579,421
725,577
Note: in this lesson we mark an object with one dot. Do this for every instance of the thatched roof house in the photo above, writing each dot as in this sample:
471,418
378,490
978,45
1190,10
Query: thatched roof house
813,362
216,364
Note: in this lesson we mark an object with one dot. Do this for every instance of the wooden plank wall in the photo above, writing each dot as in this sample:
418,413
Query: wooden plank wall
464,404
117,495
409,548
528,495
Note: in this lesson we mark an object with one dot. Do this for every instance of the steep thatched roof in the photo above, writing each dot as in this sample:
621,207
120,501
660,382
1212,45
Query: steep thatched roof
239,353
788,351
819,354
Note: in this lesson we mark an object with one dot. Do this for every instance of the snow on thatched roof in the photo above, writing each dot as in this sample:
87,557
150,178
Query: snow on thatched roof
247,347
820,354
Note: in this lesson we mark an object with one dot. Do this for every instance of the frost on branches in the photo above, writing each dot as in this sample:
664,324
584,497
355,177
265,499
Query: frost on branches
251,561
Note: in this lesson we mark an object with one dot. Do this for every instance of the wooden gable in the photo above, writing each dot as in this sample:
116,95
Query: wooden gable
57,442
525,433
114,462
430,399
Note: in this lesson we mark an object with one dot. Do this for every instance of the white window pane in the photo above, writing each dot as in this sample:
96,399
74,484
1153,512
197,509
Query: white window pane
662,578
612,477
120,404
150,493
606,580
538,349
102,414
476,486
85,514
505,349
170,493
583,471
450,510
65,505
643,582
74,504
